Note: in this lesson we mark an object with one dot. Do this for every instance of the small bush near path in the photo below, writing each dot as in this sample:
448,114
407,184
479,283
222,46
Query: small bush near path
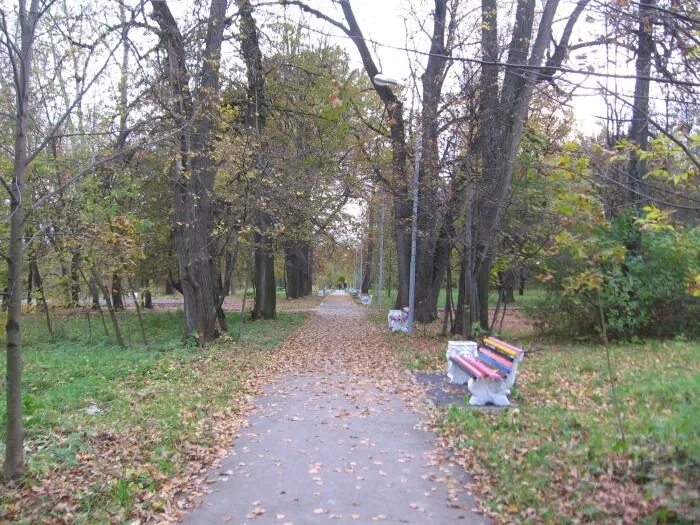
557,457
113,434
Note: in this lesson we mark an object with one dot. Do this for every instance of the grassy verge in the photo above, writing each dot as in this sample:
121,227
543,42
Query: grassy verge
558,456
114,434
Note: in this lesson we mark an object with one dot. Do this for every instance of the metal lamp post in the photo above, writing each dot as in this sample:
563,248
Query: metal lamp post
414,235
362,275
383,80
381,254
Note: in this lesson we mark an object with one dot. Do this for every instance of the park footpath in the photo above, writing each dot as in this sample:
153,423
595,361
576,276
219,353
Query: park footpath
339,437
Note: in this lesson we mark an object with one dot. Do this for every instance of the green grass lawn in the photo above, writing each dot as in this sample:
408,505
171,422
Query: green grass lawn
560,453
558,456
158,402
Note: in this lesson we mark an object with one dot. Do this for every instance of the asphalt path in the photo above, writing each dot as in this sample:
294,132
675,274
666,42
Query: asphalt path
328,444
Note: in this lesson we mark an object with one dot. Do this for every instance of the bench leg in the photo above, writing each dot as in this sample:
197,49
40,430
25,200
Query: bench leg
398,326
456,375
487,392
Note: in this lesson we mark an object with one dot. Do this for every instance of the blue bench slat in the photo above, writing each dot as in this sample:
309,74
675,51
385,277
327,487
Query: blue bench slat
494,363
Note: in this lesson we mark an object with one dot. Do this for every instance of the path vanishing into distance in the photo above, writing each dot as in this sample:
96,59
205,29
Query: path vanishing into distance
338,438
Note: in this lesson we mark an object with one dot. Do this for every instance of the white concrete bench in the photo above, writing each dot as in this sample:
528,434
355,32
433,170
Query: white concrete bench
488,369
398,320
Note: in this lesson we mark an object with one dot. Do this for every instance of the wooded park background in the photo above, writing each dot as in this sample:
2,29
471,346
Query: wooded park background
217,148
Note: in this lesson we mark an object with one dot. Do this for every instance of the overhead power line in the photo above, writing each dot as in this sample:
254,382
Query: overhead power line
507,65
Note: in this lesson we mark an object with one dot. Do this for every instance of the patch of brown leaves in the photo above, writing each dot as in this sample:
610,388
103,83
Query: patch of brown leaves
362,354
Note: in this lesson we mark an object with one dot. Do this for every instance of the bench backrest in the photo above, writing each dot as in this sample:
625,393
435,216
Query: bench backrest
503,356
506,350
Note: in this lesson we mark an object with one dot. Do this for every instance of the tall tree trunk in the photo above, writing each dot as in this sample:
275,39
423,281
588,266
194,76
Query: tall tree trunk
265,306
256,114
430,218
308,273
502,123
298,269
397,129
195,167
483,285
13,466
639,127
117,293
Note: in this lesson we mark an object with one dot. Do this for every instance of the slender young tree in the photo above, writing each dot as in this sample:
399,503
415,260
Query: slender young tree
18,48
20,56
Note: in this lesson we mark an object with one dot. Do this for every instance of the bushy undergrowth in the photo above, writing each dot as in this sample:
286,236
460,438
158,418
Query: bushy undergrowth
645,292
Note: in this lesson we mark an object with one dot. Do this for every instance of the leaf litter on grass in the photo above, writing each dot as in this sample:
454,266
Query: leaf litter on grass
147,460
124,466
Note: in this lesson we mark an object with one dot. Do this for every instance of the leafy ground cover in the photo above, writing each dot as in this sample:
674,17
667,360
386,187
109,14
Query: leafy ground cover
113,433
558,456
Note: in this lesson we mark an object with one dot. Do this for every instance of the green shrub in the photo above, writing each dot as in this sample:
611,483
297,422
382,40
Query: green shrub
645,294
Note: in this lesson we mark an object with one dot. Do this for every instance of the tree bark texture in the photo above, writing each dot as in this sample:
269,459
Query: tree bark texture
430,263
75,278
13,466
297,264
255,118
265,306
194,169
639,128
503,114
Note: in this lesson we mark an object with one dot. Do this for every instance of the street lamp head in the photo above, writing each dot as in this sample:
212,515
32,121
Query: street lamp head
384,80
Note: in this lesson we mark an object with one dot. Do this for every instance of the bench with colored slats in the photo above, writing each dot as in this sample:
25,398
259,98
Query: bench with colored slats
398,320
492,368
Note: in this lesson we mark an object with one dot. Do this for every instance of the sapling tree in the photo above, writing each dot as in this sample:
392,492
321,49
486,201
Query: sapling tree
17,45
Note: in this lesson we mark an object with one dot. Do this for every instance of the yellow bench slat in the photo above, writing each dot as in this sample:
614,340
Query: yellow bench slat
501,347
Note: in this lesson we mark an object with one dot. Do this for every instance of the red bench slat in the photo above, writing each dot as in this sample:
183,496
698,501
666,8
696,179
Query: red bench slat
484,368
468,367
